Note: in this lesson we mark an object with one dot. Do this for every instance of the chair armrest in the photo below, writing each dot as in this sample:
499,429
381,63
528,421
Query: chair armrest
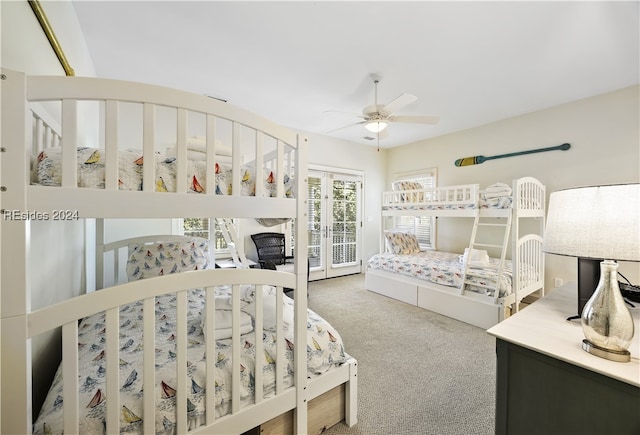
266,264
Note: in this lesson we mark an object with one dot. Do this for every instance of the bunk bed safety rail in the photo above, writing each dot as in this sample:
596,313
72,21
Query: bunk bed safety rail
529,194
436,196
45,130
249,140
67,314
529,275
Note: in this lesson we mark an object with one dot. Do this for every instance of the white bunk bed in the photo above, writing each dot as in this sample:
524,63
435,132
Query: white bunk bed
278,153
446,282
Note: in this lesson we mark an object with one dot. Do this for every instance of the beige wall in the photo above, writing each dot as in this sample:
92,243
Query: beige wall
25,47
604,135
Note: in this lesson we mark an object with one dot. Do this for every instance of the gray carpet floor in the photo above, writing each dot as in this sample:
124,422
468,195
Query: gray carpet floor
418,372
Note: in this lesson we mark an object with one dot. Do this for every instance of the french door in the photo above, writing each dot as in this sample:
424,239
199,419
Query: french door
335,224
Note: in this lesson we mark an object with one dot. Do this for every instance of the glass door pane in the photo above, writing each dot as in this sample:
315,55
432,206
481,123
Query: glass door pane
316,224
345,225
334,202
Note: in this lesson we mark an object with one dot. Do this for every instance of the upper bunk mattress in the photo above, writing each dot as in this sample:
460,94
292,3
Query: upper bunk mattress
504,202
91,173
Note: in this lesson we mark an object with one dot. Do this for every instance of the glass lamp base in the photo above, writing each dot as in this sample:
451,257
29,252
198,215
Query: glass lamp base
610,354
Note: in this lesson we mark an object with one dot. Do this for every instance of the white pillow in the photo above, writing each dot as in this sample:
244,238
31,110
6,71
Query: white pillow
269,304
479,258
197,148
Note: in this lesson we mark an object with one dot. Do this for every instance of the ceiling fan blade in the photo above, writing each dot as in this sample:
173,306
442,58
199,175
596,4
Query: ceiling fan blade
400,102
345,126
416,119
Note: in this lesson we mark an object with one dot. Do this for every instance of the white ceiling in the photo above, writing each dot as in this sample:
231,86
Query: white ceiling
470,63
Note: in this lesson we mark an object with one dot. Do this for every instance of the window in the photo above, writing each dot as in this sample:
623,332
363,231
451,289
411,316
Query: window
200,227
422,226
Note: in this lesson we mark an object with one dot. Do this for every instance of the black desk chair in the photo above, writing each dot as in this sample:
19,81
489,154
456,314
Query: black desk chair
270,246
270,249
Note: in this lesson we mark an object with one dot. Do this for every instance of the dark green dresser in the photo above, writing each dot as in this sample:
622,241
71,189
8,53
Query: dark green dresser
546,383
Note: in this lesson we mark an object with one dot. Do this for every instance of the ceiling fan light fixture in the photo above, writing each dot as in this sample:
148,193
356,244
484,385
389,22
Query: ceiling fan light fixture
375,126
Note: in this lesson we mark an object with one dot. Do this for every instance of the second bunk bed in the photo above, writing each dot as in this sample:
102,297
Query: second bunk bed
472,286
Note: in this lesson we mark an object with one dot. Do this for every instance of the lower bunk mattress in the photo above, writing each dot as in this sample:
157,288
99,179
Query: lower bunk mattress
324,351
445,268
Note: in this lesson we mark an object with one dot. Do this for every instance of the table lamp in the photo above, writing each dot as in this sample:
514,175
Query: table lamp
599,225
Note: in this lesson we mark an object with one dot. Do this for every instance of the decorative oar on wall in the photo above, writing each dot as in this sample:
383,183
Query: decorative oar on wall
476,160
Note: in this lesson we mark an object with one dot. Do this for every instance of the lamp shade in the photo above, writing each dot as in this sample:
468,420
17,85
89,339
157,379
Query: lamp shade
601,222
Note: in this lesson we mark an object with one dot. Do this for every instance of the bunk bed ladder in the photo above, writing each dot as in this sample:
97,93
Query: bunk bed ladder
230,234
474,244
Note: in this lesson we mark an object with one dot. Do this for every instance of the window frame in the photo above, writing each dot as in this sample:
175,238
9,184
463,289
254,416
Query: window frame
218,237
428,177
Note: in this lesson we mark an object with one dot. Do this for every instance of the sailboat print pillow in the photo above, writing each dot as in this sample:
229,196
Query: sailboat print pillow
402,243
160,258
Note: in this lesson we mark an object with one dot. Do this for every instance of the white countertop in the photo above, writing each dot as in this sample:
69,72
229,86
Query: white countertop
543,327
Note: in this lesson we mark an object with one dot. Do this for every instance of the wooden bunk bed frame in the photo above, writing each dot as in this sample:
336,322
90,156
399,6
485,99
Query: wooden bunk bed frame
24,134
528,202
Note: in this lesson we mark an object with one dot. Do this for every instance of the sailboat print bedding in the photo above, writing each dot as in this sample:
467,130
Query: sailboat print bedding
324,348
445,268
91,172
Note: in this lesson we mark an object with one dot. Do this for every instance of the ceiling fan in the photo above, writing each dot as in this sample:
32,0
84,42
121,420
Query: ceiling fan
377,117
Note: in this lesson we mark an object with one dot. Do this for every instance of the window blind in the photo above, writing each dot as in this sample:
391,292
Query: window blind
200,227
421,226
